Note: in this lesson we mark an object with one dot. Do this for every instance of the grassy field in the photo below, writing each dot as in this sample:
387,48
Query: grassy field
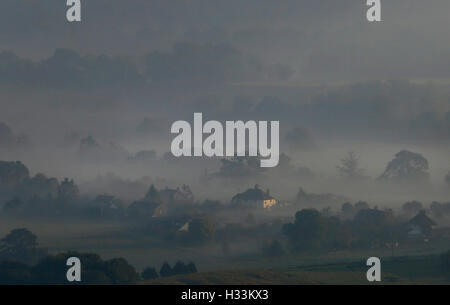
422,270
265,277
412,263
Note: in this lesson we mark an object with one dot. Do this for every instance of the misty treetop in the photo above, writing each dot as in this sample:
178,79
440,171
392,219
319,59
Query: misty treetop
407,166
66,68
365,227
20,245
186,62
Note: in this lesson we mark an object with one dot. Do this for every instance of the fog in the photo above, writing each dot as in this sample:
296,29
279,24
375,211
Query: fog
334,81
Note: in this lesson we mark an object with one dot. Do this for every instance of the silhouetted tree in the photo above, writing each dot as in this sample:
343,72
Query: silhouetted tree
412,207
165,270
12,174
52,270
192,268
307,230
349,167
238,167
153,195
361,205
20,239
440,210
180,268
149,273
67,190
120,272
14,273
202,229
347,210
13,206
20,245
406,167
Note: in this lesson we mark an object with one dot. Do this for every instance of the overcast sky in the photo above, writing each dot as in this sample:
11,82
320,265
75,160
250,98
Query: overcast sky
322,39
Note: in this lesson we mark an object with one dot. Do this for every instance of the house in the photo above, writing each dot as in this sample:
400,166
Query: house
255,197
420,225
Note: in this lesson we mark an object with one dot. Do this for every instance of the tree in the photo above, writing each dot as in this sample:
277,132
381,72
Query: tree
373,218
14,273
202,229
307,230
412,207
12,174
301,194
20,245
440,210
95,271
52,269
180,268
40,186
347,210
166,270
349,167
67,190
149,273
13,206
406,167
374,227
192,268
361,205
153,195
120,272
238,167
20,239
